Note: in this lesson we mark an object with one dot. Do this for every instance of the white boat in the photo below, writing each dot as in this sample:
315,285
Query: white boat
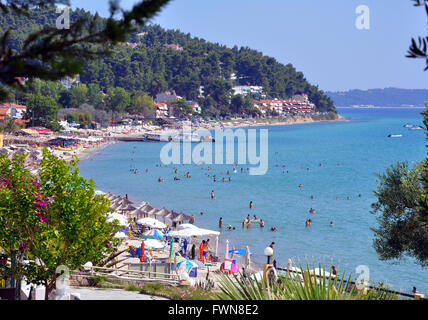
416,128
408,125
191,137
395,135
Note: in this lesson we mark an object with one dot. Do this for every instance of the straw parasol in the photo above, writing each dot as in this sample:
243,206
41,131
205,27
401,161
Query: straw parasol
162,212
146,208
181,217
171,215
152,212
137,213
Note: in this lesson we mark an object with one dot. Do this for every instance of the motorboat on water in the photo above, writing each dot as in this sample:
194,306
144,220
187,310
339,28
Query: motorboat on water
416,128
395,135
408,125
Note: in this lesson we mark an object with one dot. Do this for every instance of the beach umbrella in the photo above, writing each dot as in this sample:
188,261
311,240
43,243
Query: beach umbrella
238,251
153,234
137,213
186,225
170,215
120,235
146,208
126,201
188,264
152,211
153,244
181,217
152,223
227,249
122,220
162,212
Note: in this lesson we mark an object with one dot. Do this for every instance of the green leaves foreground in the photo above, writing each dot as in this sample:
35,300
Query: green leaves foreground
49,221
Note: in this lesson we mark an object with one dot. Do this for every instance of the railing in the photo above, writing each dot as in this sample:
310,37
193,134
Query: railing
127,274
354,283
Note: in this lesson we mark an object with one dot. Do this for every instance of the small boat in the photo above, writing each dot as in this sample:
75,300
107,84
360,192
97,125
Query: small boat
408,125
416,128
394,135
191,137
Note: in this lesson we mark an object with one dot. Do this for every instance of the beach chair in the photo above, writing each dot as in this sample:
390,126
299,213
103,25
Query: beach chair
226,266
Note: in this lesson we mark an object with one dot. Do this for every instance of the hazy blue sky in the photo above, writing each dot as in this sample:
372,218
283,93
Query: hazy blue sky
318,37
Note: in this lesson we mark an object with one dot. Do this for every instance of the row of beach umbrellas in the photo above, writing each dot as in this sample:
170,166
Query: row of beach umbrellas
119,203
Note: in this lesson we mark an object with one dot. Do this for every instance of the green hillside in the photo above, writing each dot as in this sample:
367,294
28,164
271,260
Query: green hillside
151,68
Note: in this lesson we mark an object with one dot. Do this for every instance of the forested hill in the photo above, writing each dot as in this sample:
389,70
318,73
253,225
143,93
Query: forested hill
152,68
380,97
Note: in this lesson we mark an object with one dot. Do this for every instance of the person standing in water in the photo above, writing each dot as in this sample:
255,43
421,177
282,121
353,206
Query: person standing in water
251,204
220,223
212,195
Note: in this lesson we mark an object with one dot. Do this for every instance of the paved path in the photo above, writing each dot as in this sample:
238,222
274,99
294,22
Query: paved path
110,294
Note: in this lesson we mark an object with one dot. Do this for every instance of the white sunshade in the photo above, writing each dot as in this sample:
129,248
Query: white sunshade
186,225
192,231
120,235
153,244
152,223
121,219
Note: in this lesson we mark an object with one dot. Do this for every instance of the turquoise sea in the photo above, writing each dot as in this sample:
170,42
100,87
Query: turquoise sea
350,152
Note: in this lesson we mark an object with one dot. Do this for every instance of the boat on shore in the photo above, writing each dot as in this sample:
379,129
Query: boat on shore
156,137
394,135
191,137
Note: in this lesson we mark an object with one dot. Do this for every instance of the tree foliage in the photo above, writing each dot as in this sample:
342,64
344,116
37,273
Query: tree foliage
51,53
402,208
418,48
54,220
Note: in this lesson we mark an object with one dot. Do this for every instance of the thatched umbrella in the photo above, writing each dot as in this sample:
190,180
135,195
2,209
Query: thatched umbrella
152,212
162,212
170,215
126,201
146,208
181,217
137,213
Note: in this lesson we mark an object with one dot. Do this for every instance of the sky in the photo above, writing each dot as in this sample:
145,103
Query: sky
319,37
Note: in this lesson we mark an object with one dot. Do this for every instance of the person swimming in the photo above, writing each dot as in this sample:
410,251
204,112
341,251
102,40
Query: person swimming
176,178
331,224
300,185
273,229
312,210
262,223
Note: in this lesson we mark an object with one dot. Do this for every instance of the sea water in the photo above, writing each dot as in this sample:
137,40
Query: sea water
332,160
